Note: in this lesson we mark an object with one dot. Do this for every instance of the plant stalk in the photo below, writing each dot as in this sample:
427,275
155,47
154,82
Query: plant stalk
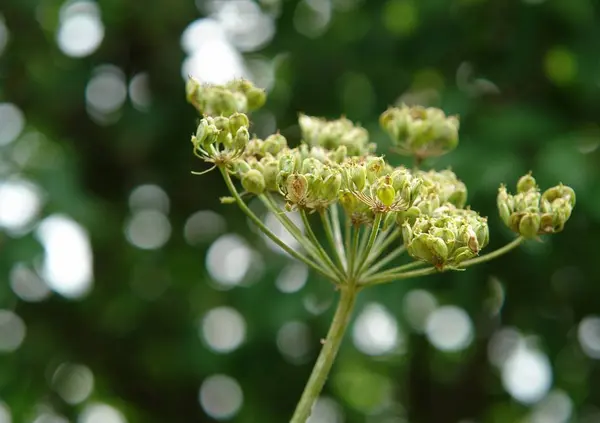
327,355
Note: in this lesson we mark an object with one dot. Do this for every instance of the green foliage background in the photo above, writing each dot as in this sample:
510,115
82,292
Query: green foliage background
524,76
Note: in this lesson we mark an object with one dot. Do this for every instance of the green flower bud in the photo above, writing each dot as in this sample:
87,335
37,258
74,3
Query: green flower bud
253,182
236,121
222,123
529,225
226,139
386,194
461,254
421,248
406,233
526,183
504,205
241,167
274,144
409,216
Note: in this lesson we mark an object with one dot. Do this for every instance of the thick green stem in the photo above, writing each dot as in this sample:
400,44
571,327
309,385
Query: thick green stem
328,353
322,253
268,232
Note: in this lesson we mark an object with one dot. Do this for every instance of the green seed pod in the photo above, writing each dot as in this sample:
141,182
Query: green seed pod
375,166
526,183
237,121
331,186
348,201
287,164
222,123
560,191
358,174
386,194
461,254
406,233
253,182
340,154
529,225
256,98
270,172
242,138
421,248
311,166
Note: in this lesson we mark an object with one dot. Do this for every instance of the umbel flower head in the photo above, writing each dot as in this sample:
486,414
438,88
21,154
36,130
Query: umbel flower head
531,213
336,174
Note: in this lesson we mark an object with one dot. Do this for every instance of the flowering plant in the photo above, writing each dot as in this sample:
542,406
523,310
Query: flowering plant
370,211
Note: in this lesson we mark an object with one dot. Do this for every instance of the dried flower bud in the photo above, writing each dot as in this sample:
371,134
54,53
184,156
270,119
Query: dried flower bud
375,167
253,181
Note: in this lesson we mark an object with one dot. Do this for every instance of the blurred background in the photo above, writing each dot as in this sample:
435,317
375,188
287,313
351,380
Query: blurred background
130,294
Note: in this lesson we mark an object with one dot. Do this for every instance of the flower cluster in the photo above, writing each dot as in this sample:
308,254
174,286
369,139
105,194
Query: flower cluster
420,132
336,166
446,238
531,213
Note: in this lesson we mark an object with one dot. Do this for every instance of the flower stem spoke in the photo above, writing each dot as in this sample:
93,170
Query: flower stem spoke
370,242
337,254
321,251
267,231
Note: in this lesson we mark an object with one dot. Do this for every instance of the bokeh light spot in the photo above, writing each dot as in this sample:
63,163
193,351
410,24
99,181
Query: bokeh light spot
203,226
223,329
326,410
527,375
560,65
221,397
228,260
105,93
449,328
4,35
556,407
149,197
418,305
20,203
400,17
312,17
12,122
73,382
292,278
27,285
12,331
81,30
375,330
67,266
139,91
101,413
293,341
244,24
148,229
5,415
588,334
